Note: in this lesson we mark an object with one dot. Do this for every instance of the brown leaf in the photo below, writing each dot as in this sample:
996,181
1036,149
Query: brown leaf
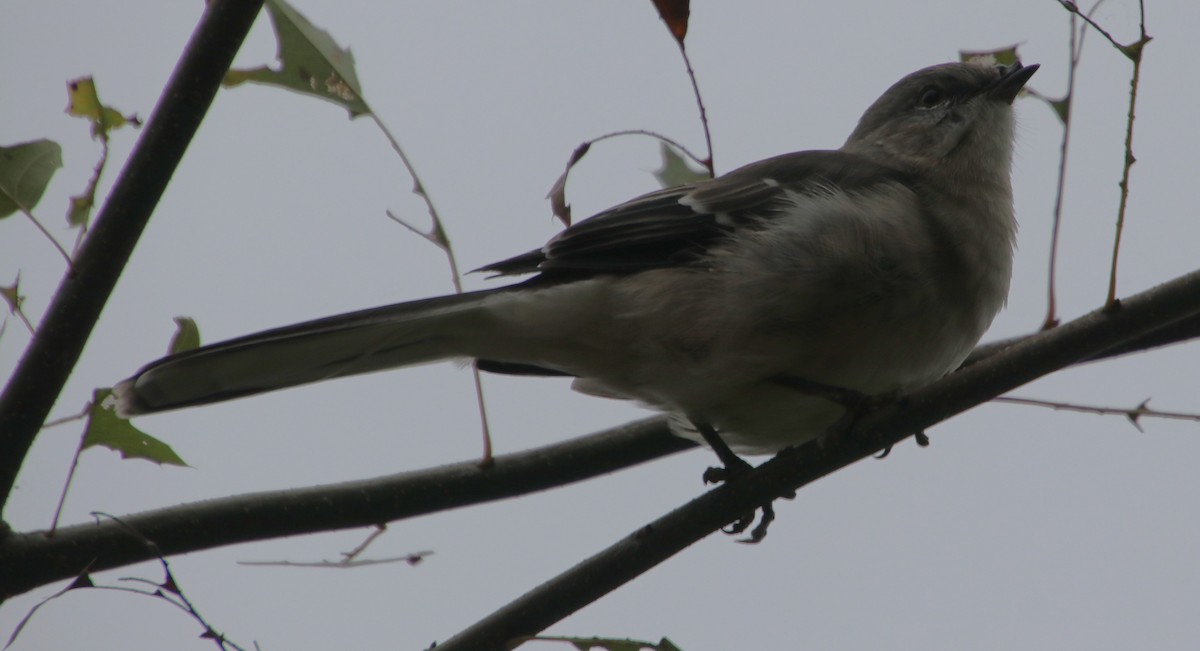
675,14
558,192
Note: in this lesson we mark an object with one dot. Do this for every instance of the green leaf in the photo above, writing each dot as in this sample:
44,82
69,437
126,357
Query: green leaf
84,102
11,294
1004,56
25,171
1062,108
81,208
312,62
187,335
675,169
105,428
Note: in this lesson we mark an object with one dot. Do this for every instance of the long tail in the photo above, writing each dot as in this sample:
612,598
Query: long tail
359,342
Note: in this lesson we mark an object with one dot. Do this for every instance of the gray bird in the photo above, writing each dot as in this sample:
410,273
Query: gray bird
873,268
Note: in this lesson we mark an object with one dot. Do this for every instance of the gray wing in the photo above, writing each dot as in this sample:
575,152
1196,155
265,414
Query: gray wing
677,226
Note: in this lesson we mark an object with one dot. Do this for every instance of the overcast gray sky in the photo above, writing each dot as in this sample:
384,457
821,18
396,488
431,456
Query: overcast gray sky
1018,527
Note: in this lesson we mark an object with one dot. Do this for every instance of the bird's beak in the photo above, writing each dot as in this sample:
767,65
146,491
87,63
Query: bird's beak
1010,83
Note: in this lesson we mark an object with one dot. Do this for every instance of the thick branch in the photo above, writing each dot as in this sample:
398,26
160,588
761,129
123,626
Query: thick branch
43,370
29,560
1028,360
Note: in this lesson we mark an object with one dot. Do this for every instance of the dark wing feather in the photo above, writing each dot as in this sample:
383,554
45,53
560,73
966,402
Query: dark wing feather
676,226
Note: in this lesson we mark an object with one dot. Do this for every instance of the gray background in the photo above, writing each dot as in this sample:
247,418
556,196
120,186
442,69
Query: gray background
1019,527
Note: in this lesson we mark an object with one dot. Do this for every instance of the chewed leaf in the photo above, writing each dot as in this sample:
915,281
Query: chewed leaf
84,102
558,192
1003,56
675,169
25,171
312,62
105,428
187,335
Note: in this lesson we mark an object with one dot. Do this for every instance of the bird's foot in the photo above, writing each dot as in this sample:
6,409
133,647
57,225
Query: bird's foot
921,438
732,468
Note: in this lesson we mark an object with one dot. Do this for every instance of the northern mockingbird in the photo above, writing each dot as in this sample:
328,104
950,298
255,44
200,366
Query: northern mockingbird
873,268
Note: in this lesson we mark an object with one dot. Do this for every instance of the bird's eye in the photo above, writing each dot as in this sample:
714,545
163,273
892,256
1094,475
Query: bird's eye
932,96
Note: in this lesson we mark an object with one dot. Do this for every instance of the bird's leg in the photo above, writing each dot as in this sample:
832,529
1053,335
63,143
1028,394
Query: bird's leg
733,467
921,438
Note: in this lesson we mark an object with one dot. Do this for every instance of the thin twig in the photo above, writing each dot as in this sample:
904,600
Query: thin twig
1074,9
411,559
1133,52
69,419
90,190
1076,47
653,134
1128,165
437,235
349,556
687,62
62,498
29,214
1133,414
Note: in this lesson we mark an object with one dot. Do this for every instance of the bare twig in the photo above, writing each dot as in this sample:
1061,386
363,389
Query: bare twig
1134,414
1074,9
1063,108
350,559
37,224
1128,165
90,190
414,558
708,162
658,136
1132,51
168,590
62,498
362,547
69,419
437,236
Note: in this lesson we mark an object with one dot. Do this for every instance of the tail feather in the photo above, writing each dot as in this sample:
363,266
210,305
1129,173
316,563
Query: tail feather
392,336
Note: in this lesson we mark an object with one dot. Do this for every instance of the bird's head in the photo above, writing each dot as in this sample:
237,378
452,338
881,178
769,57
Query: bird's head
952,120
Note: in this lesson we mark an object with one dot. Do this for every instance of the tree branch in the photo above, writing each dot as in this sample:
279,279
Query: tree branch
43,370
28,560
